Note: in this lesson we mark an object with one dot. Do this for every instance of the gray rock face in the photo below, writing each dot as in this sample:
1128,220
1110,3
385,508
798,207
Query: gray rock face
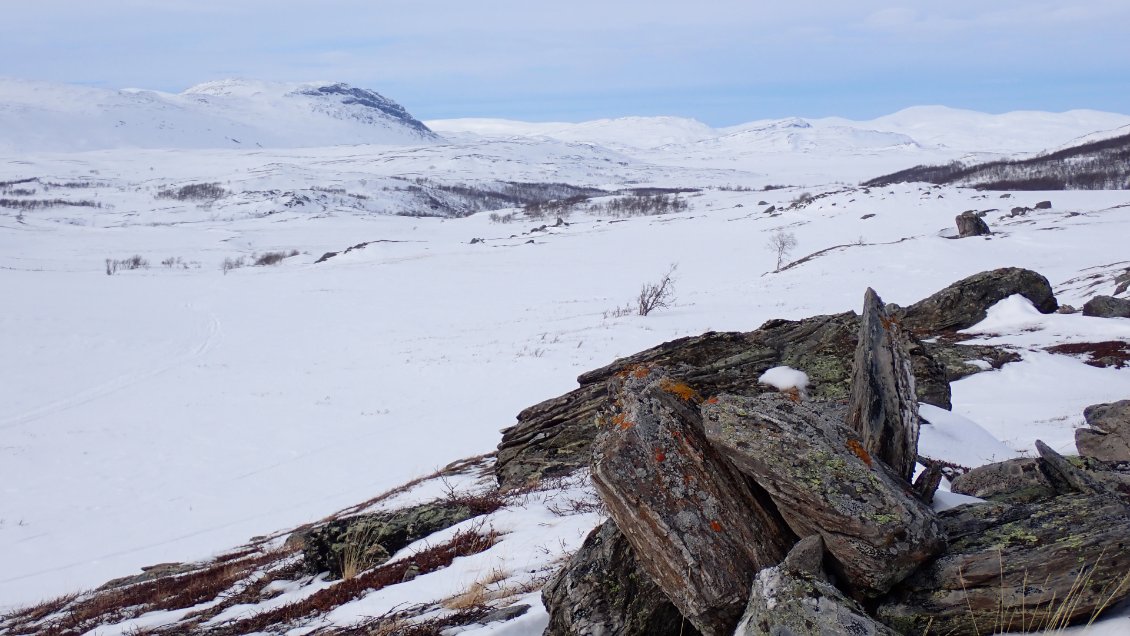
604,591
790,601
1044,205
1016,480
692,520
883,407
965,303
555,437
1015,565
957,357
970,224
1108,436
1107,307
824,482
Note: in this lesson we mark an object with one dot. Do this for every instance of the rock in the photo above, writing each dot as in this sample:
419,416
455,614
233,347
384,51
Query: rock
824,482
504,614
969,224
1016,481
1019,211
691,518
966,302
958,359
1006,196
790,602
1044,205
1108,436
883,407
1107,307
1122,282
364,541
769,210
1066,309
1018,566
603,590
555,437
926,484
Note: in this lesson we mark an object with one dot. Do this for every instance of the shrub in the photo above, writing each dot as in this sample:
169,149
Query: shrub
230,264
658,294
272,258
193,192
134,262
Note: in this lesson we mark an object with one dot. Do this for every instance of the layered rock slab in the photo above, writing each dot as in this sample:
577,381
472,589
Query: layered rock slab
966,302
823,481
694,522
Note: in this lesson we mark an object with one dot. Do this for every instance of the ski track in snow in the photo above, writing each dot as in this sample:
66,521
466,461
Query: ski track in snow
202,343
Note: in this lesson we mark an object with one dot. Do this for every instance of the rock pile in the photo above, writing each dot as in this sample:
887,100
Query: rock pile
736,509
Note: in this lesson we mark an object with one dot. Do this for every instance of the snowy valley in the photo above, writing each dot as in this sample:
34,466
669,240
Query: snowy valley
235,311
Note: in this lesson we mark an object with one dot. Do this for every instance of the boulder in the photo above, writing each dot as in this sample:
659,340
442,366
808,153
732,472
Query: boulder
883,407
1044,205
970,224
1016,480
1027,567
1107,437
555,437
824,482
694,522
603,590
1107,307
790,600
966,302
958,359
365,541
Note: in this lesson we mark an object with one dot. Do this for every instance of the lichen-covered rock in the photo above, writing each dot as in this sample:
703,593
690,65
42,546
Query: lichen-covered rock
966,302
791,601
1107,307
555,437
603,590
1018,568
963,360
970,224
883,407
364,541
1016,480
696,526
824,482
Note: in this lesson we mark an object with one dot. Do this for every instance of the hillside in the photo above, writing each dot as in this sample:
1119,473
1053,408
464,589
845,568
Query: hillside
1094,165
43,117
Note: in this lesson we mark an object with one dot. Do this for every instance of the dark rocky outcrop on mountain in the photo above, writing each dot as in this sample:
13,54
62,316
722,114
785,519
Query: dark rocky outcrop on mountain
1107,307
969,223
966,302
603,590
348,95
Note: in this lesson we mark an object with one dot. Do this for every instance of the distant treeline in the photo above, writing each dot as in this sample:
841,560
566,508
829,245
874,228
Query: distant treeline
1098,165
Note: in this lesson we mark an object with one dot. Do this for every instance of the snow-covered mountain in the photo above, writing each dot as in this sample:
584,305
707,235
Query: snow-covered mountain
46,117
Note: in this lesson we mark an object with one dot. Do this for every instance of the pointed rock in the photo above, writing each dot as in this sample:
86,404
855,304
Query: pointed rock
883,408
691,518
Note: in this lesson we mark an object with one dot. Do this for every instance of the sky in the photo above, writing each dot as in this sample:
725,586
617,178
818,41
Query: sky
722,62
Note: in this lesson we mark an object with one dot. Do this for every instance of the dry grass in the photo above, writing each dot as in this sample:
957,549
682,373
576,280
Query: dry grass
463,543
480,592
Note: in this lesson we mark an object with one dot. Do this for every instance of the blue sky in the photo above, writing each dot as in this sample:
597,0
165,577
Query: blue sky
723,62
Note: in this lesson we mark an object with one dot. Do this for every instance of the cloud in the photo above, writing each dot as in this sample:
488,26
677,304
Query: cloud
490,52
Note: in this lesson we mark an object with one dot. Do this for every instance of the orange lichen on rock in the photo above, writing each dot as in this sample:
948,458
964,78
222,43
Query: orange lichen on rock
660,456
860,452
715,526
712,400
622,422
792,393
640,371
681,389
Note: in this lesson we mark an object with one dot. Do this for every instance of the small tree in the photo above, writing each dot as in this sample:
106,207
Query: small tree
782,243
659,294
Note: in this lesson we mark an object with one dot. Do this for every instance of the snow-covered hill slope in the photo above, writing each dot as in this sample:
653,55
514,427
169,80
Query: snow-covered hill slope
45,117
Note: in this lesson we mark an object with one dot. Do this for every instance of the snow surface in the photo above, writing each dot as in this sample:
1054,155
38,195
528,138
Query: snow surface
166,414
